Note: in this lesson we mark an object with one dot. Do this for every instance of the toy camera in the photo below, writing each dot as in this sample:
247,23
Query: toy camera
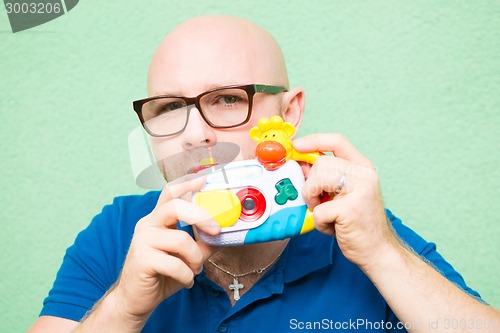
253,204
259,200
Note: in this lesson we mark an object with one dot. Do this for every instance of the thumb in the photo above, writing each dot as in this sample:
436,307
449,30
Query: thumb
206,249
306,167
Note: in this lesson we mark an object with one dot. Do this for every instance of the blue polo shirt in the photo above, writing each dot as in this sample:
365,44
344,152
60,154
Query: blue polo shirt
312,287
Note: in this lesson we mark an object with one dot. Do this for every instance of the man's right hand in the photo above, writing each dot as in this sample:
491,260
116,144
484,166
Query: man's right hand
162,259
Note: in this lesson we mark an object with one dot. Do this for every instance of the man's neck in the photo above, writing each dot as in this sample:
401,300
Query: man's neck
240,260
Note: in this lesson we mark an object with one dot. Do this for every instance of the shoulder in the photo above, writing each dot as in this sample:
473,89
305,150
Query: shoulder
409,236
128,209
93,262
428,252
116,222
138,204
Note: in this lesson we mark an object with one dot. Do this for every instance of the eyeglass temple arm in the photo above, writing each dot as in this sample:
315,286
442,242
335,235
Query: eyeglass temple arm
269,89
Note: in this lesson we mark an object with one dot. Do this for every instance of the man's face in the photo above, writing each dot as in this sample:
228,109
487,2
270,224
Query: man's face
188,64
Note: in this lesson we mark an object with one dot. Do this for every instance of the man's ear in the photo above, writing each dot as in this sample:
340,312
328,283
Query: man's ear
293,107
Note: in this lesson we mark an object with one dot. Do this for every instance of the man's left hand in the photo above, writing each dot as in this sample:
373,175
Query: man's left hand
355,215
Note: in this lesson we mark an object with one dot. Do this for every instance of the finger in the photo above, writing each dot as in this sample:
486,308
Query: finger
325,177
178,243
171,266
206,249
175,210
327,215
330,142
306,168
186,184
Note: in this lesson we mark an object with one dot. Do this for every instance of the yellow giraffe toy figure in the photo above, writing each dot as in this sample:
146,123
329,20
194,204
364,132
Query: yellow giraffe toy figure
274,146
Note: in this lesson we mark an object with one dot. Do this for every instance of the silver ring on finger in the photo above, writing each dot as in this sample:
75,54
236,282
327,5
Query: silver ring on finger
343,180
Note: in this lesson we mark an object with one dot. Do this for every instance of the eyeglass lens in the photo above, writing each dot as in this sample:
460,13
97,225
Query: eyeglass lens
221,108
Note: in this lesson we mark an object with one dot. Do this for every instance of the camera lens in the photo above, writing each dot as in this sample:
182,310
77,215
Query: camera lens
249,204
253,204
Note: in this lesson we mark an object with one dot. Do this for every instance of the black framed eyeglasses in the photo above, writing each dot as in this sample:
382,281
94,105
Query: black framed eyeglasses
222,107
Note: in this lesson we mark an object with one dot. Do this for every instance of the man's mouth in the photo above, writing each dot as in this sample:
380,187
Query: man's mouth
200,167
198,159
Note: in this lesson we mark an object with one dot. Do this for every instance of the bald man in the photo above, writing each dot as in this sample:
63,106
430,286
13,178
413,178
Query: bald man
135,268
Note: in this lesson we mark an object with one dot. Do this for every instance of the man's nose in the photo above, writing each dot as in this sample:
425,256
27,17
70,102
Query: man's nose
197,132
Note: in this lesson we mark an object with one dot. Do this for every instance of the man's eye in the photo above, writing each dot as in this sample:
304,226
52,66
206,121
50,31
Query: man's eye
229,99
171,107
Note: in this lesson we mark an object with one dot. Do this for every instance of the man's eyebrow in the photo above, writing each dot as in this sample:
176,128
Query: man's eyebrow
218,85
165,93
206,88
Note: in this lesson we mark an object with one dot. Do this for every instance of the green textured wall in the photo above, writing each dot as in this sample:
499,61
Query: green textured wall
415,85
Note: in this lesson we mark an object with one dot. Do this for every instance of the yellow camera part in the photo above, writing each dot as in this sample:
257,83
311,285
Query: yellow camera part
223,205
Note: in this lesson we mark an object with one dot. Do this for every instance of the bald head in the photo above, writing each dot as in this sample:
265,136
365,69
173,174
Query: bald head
210,51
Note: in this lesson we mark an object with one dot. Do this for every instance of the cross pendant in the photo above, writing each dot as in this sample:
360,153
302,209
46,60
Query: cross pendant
235,287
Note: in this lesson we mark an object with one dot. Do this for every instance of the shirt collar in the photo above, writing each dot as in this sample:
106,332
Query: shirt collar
308,253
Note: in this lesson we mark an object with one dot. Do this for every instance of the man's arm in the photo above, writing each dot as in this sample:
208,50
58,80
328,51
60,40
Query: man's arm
423,298
49,324
106,316
414,290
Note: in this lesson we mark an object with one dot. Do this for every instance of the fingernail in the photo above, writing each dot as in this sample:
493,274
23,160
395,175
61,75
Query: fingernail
212,228
215,227
296,143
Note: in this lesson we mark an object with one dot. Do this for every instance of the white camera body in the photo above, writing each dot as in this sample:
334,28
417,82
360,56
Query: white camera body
252,204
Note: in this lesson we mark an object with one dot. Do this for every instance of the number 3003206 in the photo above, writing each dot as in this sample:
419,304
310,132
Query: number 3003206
33,8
